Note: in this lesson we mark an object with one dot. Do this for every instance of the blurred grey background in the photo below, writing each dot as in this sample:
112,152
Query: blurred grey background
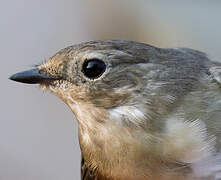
38,133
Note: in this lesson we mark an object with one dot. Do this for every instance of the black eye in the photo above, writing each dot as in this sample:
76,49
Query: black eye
93,68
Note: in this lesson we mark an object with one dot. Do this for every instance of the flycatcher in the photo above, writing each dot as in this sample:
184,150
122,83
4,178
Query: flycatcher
144,113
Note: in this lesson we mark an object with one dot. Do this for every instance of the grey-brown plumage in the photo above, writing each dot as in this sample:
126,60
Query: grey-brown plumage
143,112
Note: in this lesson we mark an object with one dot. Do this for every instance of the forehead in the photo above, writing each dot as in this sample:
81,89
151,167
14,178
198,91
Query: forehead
92,46
73,57
130,47
76,54
112,52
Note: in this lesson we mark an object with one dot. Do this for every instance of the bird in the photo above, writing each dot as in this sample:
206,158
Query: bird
143,112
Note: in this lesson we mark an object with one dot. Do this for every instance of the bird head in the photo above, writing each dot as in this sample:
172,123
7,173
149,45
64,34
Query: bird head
98,75
120,92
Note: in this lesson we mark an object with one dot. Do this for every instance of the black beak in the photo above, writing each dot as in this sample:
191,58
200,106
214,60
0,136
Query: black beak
32,76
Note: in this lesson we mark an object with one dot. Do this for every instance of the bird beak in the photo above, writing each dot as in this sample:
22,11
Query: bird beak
32,76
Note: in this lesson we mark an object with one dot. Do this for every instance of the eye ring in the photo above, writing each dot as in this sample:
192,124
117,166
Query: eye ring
93,68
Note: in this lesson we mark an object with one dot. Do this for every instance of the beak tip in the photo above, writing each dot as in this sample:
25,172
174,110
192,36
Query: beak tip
30,77
13,77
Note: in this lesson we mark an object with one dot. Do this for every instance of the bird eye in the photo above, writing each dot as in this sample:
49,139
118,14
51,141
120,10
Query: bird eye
93,68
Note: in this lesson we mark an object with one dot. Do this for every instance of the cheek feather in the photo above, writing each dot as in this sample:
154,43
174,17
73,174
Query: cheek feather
130,114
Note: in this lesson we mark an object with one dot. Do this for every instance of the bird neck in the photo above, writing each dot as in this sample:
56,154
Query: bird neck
112,143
